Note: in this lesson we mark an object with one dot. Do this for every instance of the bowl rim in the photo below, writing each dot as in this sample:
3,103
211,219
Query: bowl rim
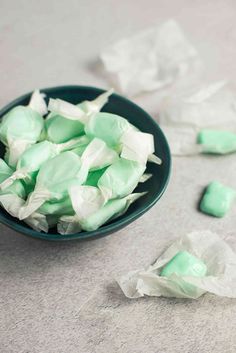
106,229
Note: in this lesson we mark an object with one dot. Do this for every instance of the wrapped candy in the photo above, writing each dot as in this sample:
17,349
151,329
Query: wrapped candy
211,107
63,207
96,156
91,209
121,178
108,127
17,187
12,199
31,160
133,150
206,247
67,120
22,127
53,180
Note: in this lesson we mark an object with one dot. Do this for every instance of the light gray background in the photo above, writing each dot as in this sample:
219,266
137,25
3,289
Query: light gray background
62,297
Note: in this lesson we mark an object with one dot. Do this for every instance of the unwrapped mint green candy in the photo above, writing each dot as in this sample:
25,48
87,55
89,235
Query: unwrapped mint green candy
67,120
184,264
217,141
54,178
31,160
21,127
108,127
16,188
217,199
121,178
91,211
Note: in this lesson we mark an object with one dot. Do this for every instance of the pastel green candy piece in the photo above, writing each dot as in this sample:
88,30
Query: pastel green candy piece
63,207
184,264
108,127
217,199
217,142
94,176
36,155
60,129
110,211
121,178
21,123
80,148
54,179
17,187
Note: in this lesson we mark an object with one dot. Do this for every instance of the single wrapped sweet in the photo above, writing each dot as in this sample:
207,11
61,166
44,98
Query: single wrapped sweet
108,127
96,156
60,208
17,187
22,127
53,180
67,120
183,116
211,253
151,59
121,178
138,146
31,160
91,210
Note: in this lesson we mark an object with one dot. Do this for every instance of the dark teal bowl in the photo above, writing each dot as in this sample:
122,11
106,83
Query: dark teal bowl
138,117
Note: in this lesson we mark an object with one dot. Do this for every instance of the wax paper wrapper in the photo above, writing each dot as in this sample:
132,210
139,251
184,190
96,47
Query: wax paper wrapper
151,59
216,254
13,203
182,116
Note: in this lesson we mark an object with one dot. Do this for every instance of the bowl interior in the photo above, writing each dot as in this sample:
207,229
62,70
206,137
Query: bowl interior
138,117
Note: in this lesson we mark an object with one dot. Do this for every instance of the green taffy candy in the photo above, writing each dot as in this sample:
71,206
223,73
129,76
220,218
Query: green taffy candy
121,178
61,208
54,178
91,212
94,176
67,120
16,188
217,199
31,160
19,128
60,129
184,264
108,127
217,141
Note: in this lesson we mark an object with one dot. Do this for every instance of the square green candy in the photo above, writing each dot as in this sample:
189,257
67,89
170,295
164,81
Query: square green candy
217,199
217,141
184,264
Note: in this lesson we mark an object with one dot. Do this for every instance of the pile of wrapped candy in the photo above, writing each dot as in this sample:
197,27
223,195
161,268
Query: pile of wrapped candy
75,169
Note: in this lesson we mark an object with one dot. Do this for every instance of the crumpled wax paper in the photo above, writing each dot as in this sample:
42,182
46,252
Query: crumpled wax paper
216,254
183,115
151,59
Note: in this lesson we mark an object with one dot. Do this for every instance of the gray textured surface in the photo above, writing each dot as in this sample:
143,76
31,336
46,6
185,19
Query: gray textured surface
62,297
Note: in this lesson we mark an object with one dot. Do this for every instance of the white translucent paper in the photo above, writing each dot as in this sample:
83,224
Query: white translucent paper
38,103
13,203
80,112
210,248
182,116
151,59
